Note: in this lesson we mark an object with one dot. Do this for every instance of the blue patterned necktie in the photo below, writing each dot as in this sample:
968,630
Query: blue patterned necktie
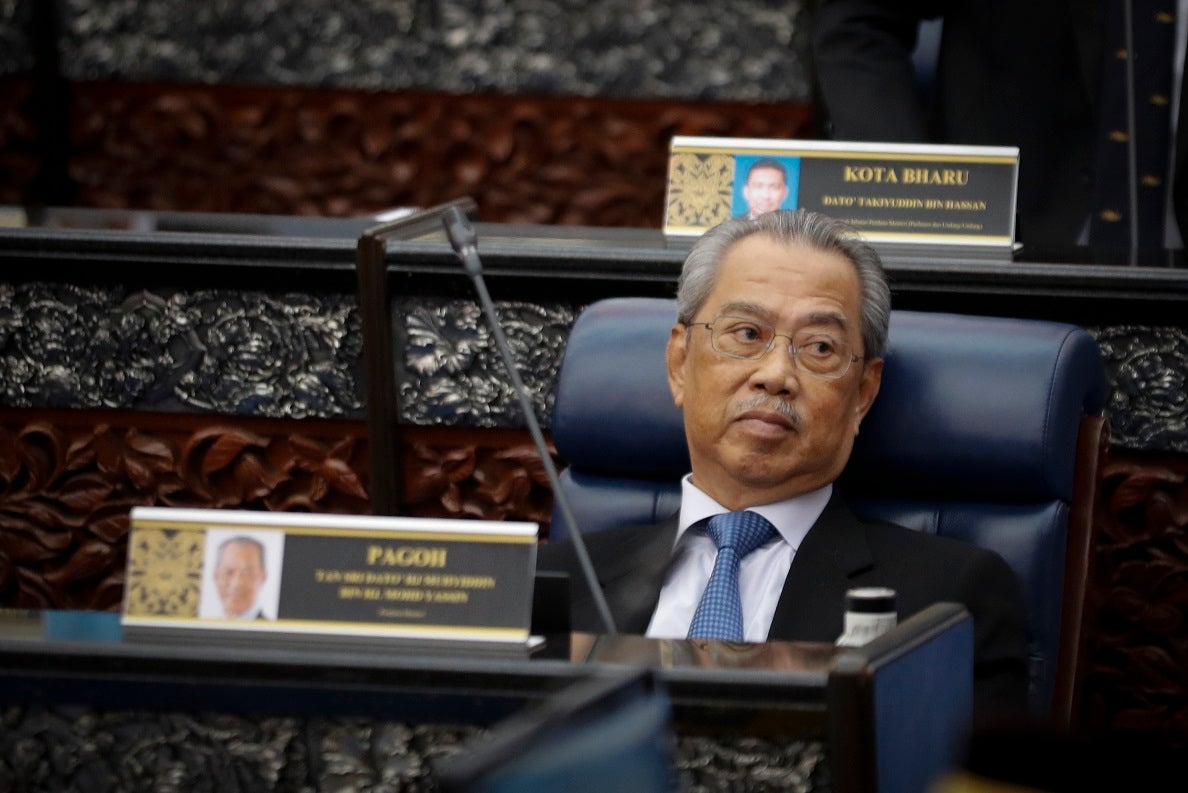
719,614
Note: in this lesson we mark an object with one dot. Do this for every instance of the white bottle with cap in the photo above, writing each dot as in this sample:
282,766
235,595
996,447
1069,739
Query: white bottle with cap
870,612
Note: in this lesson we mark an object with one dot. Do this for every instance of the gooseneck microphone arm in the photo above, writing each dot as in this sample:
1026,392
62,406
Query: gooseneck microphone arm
465,243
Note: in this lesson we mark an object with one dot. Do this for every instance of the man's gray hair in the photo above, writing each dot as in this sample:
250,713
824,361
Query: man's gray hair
790,228
243,539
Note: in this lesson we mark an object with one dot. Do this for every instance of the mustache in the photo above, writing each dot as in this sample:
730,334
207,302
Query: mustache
761,402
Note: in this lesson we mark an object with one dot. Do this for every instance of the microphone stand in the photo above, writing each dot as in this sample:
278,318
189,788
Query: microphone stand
462,237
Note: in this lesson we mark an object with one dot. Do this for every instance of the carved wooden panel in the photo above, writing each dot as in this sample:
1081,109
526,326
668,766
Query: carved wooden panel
1138,650
493,475
132,751
68,480
298,151
67,485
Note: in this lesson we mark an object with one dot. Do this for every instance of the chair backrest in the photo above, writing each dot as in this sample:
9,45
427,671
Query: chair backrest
986,429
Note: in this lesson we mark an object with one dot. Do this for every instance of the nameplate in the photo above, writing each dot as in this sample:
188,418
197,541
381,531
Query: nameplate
292,575
912,194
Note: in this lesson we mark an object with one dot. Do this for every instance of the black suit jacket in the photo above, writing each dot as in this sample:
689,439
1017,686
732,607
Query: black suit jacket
839,552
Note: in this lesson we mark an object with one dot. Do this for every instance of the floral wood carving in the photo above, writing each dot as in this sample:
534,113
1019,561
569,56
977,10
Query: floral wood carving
65,494
466,479
69,479
294,151
1138,649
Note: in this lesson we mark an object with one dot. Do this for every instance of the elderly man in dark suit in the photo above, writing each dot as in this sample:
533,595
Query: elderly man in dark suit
775,359
239,575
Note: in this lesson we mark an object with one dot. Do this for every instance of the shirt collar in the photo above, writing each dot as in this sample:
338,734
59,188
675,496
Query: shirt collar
792,517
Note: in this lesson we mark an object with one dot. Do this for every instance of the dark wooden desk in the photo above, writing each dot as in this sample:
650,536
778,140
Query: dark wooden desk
82,706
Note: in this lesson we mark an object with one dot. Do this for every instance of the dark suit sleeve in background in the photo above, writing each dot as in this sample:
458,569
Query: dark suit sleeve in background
862,52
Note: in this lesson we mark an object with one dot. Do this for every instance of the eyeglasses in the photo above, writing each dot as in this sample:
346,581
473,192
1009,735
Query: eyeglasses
815,352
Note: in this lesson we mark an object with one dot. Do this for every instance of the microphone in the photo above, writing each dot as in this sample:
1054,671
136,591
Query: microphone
465,243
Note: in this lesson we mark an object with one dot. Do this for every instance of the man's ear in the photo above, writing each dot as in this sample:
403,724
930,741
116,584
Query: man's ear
674,357
868,389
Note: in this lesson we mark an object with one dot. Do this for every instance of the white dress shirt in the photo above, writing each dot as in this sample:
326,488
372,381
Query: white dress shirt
761,574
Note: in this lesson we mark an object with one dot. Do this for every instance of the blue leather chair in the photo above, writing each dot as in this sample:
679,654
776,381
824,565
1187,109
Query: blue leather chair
986,429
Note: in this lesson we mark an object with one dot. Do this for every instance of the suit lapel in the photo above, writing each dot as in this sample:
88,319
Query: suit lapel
631,564
631,571
813,600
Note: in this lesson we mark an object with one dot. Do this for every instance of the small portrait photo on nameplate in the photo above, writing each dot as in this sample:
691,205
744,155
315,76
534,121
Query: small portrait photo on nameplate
197,575
764,183
241,574
894,194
